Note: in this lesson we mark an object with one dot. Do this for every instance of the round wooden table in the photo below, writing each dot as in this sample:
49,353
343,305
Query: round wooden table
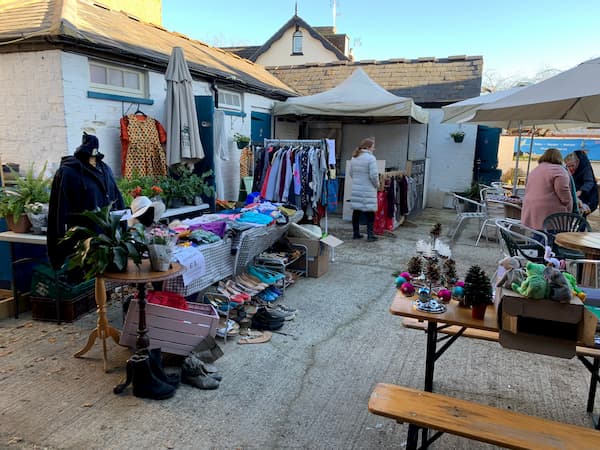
133,275
589,244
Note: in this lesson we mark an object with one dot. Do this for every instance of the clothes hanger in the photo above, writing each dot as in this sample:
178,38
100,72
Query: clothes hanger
139,112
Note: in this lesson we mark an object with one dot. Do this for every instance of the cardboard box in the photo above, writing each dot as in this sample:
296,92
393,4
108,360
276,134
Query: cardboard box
317,256
590,317
540,326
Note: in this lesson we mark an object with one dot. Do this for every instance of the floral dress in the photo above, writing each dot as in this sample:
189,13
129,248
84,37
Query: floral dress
142,152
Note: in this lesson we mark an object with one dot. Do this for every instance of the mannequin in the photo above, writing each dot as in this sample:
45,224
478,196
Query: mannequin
83,182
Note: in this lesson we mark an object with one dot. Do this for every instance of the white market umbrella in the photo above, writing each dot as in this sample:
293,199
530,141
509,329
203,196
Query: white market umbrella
183,136
462,111
569,99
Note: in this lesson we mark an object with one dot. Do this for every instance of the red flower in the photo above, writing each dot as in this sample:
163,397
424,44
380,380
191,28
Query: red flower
136,192
156,190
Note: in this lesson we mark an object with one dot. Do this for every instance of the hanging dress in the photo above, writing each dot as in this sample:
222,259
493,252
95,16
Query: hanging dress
142,153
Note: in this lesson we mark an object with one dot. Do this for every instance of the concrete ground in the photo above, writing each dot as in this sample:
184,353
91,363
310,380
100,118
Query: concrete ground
306,390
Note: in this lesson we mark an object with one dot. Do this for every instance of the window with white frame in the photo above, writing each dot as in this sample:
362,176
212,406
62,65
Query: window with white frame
117,80
297,41
231,101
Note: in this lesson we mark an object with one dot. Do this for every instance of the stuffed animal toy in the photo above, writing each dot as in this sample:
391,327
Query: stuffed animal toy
535,285
513,273
560,290
573,284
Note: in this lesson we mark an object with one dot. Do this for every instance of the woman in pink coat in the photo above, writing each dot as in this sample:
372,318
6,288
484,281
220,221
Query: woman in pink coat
548,190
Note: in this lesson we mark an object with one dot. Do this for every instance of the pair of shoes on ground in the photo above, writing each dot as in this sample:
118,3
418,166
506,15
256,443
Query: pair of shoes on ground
371,238
264,274
228,327
198,373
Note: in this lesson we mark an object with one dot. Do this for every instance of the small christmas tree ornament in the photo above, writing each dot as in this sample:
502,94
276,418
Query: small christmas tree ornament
406,275
478,291
460,283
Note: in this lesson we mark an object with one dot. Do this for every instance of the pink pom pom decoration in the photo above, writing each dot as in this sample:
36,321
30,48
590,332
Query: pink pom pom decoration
460,284
407,289
406,275
444,295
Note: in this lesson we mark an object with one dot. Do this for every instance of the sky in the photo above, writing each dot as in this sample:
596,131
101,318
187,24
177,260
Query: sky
517,39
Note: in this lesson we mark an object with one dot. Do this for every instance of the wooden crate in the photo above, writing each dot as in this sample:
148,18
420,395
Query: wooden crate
172,330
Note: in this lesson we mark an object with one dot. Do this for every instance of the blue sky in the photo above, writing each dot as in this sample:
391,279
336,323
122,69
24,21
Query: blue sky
517,39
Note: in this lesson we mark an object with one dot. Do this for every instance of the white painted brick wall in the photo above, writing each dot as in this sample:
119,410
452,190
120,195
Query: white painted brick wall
451,163
32,124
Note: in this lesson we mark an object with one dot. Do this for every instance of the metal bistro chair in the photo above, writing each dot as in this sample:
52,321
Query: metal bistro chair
519,240
466,209
564,222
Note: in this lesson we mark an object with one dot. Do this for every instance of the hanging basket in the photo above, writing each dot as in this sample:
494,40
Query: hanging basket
458,137
242,144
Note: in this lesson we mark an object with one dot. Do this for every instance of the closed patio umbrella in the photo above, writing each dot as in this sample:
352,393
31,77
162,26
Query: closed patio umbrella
183,137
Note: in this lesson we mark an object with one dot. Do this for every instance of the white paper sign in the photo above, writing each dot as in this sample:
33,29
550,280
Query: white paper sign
193,261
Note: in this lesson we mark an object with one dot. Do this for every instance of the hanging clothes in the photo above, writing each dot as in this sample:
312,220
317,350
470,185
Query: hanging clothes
142,151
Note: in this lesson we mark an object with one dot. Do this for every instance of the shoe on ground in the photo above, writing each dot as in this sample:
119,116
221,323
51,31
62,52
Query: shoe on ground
372,239
276,312
357,236
285,308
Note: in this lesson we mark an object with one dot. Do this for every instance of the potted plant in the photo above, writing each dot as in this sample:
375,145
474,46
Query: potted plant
241,140
104,245
30,188
37,213
458,136
478,291
160,243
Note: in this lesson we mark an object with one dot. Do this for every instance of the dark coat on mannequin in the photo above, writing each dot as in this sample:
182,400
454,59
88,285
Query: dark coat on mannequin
78,186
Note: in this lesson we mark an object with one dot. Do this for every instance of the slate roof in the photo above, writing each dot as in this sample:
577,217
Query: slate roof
83,27
295,20
430,82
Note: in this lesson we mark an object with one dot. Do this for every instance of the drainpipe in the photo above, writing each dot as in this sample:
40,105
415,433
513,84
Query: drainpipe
215,89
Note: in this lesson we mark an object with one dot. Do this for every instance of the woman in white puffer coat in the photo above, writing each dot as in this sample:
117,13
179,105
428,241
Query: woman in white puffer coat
365,180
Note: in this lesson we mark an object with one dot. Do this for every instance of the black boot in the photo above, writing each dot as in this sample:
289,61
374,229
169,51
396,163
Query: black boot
370,235
158,370
145,383
356,224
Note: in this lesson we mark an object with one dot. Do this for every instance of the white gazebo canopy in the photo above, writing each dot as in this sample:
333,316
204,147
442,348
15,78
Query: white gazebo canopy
357,96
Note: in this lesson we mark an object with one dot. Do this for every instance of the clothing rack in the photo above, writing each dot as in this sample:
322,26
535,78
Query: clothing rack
320,142
293,142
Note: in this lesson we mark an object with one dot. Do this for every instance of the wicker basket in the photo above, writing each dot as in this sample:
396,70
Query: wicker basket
172,330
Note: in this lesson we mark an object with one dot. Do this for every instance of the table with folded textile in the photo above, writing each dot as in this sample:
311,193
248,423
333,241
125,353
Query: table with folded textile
231,254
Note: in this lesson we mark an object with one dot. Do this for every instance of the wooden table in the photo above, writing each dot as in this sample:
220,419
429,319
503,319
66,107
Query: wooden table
133,275
589,244
456,316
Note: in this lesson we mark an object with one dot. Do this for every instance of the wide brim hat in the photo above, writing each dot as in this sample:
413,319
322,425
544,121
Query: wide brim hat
140,205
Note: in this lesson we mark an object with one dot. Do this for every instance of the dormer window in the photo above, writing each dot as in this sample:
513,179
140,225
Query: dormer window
297,41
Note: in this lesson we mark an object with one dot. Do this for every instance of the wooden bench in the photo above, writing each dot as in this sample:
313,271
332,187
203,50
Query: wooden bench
427,410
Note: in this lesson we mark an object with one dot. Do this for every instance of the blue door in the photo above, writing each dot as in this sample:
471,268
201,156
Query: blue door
205,111
260,126
486,155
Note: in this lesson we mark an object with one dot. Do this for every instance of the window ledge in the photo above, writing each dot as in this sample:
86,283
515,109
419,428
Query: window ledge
120,98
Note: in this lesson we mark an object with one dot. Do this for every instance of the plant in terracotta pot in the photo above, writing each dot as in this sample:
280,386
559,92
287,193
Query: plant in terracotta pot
29,188
104,245
478,291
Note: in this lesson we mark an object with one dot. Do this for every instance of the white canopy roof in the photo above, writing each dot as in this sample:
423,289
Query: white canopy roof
358,96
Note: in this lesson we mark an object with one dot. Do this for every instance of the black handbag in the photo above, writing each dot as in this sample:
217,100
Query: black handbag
264,320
